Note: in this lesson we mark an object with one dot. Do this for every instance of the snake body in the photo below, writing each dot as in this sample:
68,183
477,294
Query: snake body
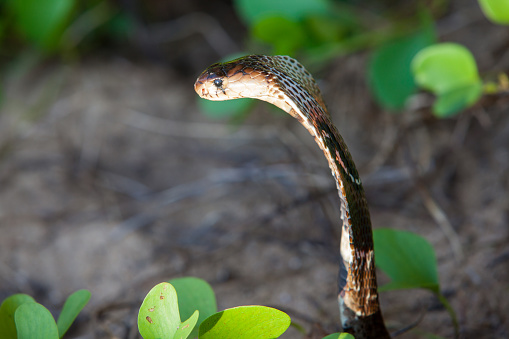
284,82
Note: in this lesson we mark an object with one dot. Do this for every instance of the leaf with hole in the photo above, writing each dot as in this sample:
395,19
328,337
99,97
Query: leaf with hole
194,294
34,321
159,315
245,322
407,258
72,307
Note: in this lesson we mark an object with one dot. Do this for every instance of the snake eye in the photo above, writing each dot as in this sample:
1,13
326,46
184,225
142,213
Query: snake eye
218,83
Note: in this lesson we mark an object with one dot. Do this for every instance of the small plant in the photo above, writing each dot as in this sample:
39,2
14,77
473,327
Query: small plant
408,259
22,317
161,311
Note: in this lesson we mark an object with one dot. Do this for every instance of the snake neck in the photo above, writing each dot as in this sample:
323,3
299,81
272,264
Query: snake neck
358,295
357,283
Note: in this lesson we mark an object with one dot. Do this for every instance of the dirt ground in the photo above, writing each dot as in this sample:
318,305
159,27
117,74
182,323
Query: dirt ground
112,180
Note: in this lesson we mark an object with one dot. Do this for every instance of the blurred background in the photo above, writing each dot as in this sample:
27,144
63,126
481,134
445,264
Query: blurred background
115,176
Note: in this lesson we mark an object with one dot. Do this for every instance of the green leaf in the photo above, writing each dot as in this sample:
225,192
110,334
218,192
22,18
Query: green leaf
187,327
194,294
72,307
389,73
7,310
245,322
42,22
408,259
159,315
34,321
444,67
252,11
496,11
448,70
285,35
450,103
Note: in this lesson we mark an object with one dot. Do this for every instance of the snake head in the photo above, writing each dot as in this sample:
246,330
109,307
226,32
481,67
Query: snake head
240,78
213,83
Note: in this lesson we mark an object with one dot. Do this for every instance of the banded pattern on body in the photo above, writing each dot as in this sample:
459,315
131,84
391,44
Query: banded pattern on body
284,82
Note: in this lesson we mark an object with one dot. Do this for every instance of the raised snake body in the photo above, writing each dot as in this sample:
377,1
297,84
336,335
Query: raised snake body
284,82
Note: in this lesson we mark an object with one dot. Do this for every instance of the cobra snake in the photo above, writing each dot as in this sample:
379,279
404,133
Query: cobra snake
284,82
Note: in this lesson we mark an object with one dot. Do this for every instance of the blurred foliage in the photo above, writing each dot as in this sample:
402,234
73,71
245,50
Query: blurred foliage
450,72
389,72
41,23
410,261
38,29
314,28
57,27
316,31
407,258
253,11
496,11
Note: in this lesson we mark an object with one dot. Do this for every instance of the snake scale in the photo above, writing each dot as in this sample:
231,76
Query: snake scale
284,82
